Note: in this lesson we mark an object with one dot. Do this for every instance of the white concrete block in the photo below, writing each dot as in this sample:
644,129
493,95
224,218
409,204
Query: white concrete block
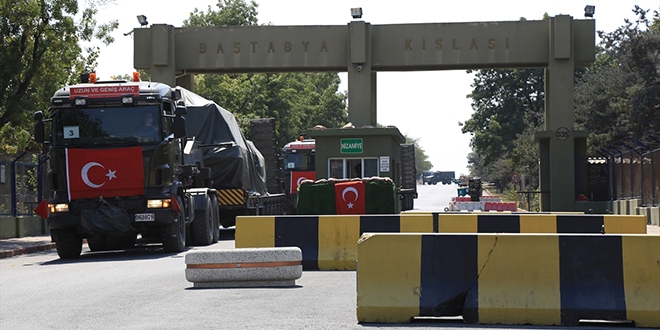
246,267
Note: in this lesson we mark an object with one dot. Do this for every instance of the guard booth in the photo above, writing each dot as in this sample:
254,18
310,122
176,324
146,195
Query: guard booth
344,153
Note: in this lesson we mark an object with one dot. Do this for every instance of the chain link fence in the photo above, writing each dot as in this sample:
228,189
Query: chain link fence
20,190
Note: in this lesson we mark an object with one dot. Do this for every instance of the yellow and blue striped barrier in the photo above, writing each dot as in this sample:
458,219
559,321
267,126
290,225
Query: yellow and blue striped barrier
329,242
484,222
538,279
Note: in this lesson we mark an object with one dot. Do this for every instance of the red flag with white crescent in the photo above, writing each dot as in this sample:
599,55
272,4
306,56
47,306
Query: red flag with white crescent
297,177
104,172
350,197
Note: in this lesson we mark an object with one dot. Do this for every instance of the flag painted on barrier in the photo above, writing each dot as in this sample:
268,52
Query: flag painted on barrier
298,177
104,172
350,197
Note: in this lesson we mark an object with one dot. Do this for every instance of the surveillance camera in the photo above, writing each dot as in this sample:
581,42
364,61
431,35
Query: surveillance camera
359,68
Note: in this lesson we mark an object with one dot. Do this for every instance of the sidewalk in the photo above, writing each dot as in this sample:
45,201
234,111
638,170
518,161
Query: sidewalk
12,247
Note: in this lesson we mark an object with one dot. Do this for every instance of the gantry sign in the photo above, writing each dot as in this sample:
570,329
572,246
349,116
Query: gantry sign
559,44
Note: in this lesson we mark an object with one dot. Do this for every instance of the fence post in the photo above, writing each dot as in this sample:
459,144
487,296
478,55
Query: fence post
14,212
641,167
40,182
610,173
652,167
623,194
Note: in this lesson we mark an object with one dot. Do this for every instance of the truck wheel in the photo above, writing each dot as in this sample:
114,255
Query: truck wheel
174,235
68,243
96,242
202,226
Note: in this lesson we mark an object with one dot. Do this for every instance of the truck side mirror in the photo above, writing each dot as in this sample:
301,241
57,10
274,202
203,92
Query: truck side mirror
38,127
176,94
180,122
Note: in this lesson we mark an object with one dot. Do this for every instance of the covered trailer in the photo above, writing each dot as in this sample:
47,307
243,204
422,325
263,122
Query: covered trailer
238,169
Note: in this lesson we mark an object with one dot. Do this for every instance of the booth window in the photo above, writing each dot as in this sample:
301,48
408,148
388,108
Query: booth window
346,168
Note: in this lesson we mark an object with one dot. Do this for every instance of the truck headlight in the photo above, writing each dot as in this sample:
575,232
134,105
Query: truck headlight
159,203
58,208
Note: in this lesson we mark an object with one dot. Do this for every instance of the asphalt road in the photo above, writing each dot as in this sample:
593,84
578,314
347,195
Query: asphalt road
145,288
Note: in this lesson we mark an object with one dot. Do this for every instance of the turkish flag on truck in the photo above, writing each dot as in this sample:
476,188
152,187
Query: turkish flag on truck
297,177
350,197
104,172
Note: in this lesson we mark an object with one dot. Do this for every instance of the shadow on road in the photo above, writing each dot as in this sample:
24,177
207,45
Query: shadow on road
144,249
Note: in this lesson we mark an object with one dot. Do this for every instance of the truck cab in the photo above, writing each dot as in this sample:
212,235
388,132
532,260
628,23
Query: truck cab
298,164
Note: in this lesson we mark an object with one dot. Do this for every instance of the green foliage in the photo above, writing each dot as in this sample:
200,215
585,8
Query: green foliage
422,163
42,42
229,13
505,102
619,96
297,101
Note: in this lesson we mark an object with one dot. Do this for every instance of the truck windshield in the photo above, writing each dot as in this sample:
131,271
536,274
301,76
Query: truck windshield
107,126
299,162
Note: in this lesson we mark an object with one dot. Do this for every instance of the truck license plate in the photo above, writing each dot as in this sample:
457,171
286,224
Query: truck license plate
143,217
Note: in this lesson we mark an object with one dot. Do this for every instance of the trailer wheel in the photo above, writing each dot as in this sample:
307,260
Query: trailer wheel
174,234
68,243
202,227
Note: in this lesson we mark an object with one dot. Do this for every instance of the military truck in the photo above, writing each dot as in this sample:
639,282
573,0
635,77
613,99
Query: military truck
298,164
129,158
447,177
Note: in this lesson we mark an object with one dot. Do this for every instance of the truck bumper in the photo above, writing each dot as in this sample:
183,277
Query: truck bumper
68,220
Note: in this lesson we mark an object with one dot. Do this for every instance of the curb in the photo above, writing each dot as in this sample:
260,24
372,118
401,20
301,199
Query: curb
31,249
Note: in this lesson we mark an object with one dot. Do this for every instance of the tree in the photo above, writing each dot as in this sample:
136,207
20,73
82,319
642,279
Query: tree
41,51
422,163
297,101
505,102
229,13
619,96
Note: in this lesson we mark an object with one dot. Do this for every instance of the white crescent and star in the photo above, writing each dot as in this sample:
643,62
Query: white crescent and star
349,189
300,179
84,173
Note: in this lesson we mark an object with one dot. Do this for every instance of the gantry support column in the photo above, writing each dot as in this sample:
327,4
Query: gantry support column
558,142
163,68
361,79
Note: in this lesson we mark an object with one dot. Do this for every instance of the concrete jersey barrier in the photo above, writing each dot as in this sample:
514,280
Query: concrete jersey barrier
539,223
538,279
329,242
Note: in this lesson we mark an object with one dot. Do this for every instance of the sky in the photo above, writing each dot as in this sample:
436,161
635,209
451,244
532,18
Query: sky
427,105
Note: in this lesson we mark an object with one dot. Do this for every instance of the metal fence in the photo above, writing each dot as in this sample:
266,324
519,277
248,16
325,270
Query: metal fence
635,169
20,190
